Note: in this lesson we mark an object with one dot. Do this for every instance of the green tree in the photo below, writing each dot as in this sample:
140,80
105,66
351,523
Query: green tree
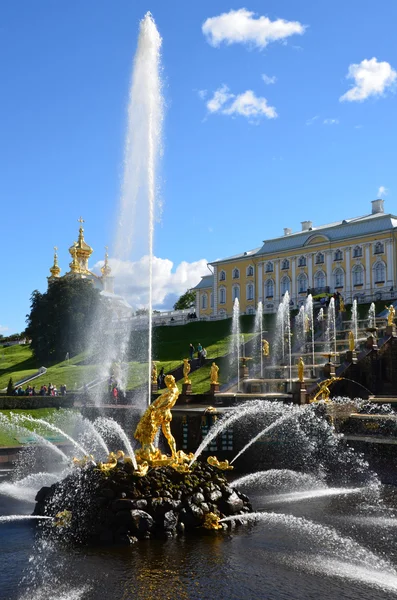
187,300
10,387
62,319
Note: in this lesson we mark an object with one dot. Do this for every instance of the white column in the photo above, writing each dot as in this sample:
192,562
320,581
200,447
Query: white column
293,271
389,265
215,291
328,260
277,282
367,267
259,279
348,284
309,258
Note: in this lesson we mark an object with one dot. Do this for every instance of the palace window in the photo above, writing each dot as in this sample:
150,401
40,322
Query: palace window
319,258
204,301
250,311
211,300
379,248
222,295
358,275
319,279
379,272
285,264
338,278
236,274
302,261
302,283
269,287
338,255
236,292
250,291
250,271
285,285
357,252
269,267
222,276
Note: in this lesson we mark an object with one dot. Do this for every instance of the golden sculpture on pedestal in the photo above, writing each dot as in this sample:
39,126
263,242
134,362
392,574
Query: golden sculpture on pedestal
391,314
342,305
307,324
265,348
211,521
214,373
324,392
301,369
352,342
154,372
222,465
186,371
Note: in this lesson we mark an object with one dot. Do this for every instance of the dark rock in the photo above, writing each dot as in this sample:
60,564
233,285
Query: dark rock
140,504
234,504
213,496
106,537
170,521
107,493
123,504
198,499
142,521
205,507
180,527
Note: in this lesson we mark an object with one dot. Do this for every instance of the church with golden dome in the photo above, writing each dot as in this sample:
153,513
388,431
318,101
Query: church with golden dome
80,252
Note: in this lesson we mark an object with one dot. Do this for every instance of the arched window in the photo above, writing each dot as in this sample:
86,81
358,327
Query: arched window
204,301
222,276
338,255
250,311
357,252
379,272
211,300
236,274
285,264
285,284
302,283
222,295
319,279
319,258
250,271
379,248
236,292
269,288
338,278
269,267
250,291
358,275
302,261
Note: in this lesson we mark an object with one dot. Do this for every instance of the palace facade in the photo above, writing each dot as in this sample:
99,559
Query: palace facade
357,257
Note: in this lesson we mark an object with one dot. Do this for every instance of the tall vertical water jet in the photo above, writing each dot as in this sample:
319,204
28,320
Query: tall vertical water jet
371,316
310,316
236,340
258,330
300,329
331,328
355,320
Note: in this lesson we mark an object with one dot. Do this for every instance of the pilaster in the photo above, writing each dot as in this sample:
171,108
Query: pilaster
367,266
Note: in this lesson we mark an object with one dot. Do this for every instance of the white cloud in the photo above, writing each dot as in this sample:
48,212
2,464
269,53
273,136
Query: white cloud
132,280
382,191
3,328
371,78
268,80
246,104
202,94
312,120
241,26
331,122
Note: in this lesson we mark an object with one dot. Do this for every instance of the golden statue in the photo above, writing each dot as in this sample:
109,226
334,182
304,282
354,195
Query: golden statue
391,315
154,372
222,465
342,305
352,342
307,324
301,369
265,348
211,521
214,373
186,371
158,415
324,391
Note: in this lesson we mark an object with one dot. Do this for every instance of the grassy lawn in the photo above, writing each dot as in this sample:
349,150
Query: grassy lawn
7,437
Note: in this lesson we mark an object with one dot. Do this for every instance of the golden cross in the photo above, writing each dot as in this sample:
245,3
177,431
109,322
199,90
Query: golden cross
81,220
56,249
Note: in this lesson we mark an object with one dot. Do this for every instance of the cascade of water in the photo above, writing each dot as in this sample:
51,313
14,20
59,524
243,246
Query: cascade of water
235,343
355,320
108,427
310,315
287,331
85,433
26,488
258,330
244,410
80,448
331,328
300,329
371,316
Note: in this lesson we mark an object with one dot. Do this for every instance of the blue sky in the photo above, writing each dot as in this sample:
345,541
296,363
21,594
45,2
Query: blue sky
228,179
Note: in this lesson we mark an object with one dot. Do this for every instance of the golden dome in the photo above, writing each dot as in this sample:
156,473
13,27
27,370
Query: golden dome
55,269
83,250
106,270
